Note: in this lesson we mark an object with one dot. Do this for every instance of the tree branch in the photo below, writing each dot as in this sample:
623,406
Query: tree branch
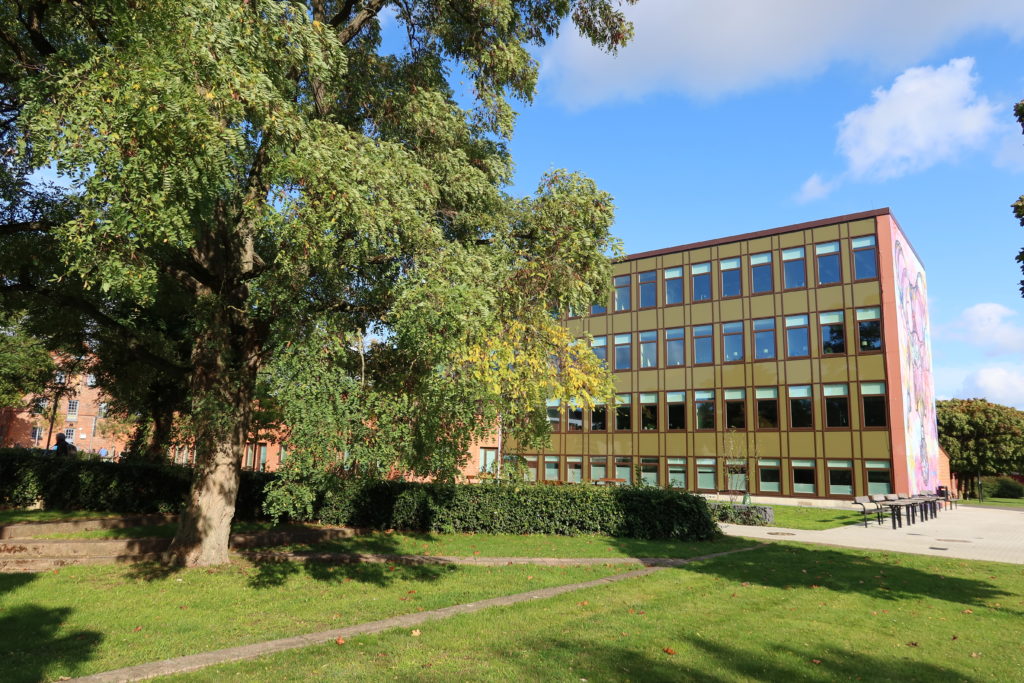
24,226
368,12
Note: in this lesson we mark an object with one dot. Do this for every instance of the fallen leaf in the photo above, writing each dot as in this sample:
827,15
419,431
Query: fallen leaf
182,606
955,638
415,633
816,661
476,552
968,611
585,602
911,644
529,578
745,583
138,628
975,654
669,651
411,592
340,641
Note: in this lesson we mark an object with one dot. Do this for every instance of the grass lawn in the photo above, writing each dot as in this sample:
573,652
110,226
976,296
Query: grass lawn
1002,502
799,517
86,619
783,612
19,516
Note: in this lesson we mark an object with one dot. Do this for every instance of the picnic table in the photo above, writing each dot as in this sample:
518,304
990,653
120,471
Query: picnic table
609,480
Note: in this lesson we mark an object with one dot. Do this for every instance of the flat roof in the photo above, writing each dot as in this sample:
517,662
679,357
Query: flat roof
762,233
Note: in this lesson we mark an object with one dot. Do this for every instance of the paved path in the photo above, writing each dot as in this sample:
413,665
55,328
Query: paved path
970,533
233,654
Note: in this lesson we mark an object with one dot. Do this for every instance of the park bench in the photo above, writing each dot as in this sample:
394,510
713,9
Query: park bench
868,507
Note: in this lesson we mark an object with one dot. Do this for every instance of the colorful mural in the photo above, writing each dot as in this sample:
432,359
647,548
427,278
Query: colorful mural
915,354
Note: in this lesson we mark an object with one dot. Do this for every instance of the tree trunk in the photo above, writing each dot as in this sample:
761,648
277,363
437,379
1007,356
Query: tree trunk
159,437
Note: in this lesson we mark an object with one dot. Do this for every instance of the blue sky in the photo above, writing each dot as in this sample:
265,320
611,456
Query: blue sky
735,116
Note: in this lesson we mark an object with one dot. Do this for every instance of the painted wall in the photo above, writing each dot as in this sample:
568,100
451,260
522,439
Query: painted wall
915,360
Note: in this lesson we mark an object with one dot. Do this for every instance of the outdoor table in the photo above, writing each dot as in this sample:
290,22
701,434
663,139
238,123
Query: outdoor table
609,480
896,508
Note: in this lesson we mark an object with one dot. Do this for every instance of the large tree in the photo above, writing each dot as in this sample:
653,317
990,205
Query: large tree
980,437
1018,206
300,175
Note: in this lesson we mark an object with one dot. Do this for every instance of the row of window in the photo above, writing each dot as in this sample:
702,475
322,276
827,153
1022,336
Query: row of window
797,338
827,271
669,410
673,472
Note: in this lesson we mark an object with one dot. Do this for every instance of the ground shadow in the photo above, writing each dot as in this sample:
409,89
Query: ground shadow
271,574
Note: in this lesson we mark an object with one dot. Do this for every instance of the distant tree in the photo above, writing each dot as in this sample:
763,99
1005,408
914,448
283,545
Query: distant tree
981,438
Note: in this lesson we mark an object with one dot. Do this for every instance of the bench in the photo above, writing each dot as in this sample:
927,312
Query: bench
868,507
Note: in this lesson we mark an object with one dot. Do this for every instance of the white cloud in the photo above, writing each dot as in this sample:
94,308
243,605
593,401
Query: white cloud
708,49
997,384
813,188
990,326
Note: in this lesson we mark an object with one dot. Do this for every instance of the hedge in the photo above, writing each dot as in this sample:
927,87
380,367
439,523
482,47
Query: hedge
634,512
31,476
749,515
1001,487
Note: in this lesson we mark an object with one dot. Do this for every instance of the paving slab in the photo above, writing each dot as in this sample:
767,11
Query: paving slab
970,533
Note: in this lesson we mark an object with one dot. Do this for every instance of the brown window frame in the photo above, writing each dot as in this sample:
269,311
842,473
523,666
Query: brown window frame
775,340
757,411
814,478
628,286
590,420
743,342
629,407
807,329
824,407
734,401
711,282
777,468
682,286
695,337
790,412
657,411
668,407
640,284
675,340
881,330
821,334
803,261
839,261
696,411
557,428
640,350
721,278
771,273
594,314
590,463
615,354
853,259
568,419
864,413
600,346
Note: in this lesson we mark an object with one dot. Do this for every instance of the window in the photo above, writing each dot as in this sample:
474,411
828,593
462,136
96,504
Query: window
102,410
531,467
599,345
263,457
623,351
706,474
803,476
649,471
676,409
873,410
573,418
829,270
732,342
599,417
69,434
598,309
649,412
551,468
735,408
703,345
37,433
769,476
833,334
764,338
90,380
736,474
675,346
837,405
282,452
673,286
623,412
705,408
797,337
39,405
767,399
700,289
869,329
624,470
879,477
865,257
72,409
648,288
761,273
801,407
60,378
794,270
574,469
677,473
731,277
598,469
840,477
554,414
622,293
649,349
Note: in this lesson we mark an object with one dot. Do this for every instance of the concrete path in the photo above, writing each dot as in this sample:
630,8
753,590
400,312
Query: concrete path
233,654
970,533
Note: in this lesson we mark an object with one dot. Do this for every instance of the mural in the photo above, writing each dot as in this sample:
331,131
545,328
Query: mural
915,353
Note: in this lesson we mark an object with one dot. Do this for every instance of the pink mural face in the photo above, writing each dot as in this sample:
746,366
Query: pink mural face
922,439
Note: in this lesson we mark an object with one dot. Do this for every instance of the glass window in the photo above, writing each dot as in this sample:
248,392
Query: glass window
574,469
767,399
599,417
60,378
869,329
706,474
840,477
649,471
731,277
873,404
833,334
69,434
797,337
701,286
803,476
622,292
624,470
598,309
675,346
551,468
794,270
574,418
648,288
879,478
623,351
531,467
102,411
703,345
801,407
488,459
736,475
865,257
677,473
732,342
72,408
769,475
764,338
649,412
649,349
90,380
676,402
673,286
598,469
705,407
735,408
554,414
37,433
829,270
599,345
761,273
837,405
623,412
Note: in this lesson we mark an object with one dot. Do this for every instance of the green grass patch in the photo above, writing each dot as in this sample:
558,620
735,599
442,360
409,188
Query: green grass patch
21,515
86,619
784,612
149,531
1000,502
800,517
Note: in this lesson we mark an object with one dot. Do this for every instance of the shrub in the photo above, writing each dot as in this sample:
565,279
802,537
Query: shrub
1001,487
30,475
508,508
749,515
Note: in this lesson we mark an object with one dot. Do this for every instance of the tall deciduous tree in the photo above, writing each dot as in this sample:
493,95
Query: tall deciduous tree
300,178
1018,206
980,437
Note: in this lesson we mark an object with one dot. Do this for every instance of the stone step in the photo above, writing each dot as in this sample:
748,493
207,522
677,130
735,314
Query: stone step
91,547
44,564
71,526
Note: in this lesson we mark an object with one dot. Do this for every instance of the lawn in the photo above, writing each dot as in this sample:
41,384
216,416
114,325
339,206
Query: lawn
783,612
1001,502
20,515
800,517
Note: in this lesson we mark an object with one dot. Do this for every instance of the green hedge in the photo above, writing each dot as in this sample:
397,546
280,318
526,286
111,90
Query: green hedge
1001,487
28,476
635,512
749,515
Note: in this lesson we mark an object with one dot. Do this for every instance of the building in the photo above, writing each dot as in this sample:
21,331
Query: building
794,360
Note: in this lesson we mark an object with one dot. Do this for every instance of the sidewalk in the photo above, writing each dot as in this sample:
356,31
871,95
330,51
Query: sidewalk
970,533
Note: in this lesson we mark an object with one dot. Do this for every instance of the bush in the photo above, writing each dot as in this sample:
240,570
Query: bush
749,515
31,475
1001,487
507,508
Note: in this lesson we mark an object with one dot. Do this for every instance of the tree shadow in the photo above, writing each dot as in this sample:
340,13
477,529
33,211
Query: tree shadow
342,569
